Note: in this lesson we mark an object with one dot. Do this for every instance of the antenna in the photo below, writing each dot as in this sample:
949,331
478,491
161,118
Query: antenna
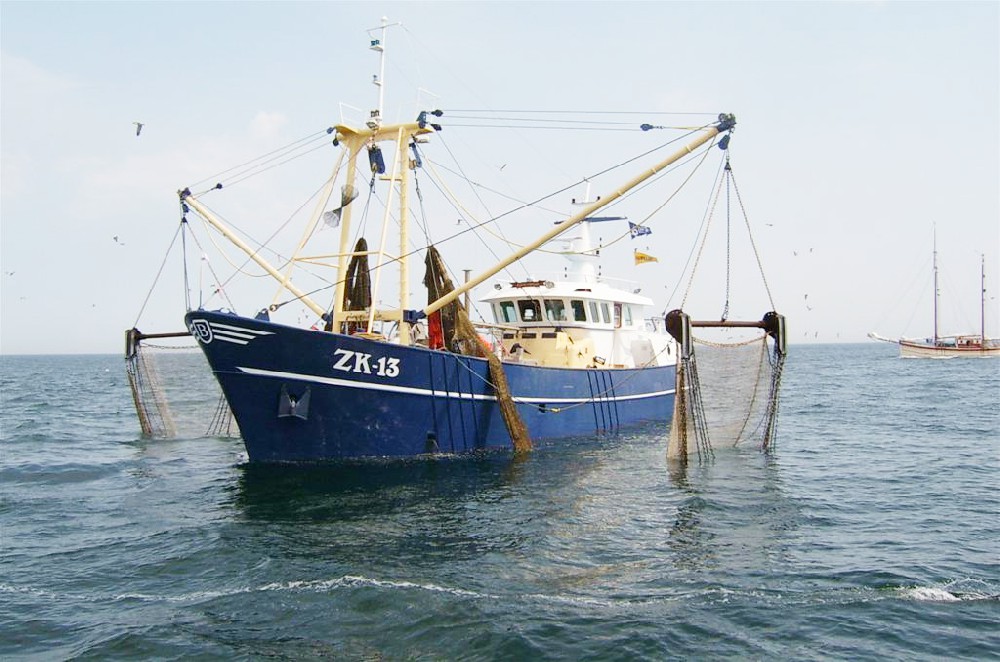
378,45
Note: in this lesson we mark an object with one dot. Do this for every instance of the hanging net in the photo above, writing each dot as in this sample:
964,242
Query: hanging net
728,371
727,392
358,288
163,374
450,328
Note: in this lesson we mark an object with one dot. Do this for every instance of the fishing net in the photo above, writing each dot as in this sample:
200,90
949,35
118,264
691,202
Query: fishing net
162,375
358,288
727,390
450,328
150,401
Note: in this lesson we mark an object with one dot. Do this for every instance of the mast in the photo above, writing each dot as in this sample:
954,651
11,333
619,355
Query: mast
935,289
982,300
356,140
378,45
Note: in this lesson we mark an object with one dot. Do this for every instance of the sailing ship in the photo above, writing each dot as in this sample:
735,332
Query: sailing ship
562,356
950,346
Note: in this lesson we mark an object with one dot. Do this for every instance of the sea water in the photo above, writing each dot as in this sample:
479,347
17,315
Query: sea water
871,532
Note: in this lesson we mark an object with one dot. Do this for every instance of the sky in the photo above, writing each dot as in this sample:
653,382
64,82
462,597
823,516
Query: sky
866,132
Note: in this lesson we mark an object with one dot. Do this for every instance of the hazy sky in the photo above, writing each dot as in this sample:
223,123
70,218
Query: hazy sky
862,126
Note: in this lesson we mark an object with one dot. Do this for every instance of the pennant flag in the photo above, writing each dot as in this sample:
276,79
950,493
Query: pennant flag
638,230
641,258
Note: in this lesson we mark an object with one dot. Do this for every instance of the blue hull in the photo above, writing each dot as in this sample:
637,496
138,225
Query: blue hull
301,395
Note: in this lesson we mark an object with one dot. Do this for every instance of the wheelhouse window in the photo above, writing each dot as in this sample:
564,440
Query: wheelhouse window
605,314
555,310
579,313
618,315
627,314
530,310
507,312
594,315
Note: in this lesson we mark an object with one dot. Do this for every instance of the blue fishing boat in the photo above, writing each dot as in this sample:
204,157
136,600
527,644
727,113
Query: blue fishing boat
355,377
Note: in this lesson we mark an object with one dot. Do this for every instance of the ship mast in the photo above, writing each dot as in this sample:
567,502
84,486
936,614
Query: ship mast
367,138
378,45
982,300
935,290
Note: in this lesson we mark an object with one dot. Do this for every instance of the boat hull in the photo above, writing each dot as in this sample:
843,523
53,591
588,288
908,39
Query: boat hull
919,350
302,395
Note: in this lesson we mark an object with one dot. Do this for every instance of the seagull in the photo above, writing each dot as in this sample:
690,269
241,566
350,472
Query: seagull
138,127
120,243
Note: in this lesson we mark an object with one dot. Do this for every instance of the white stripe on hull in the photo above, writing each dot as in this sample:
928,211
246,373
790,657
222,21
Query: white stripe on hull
410,390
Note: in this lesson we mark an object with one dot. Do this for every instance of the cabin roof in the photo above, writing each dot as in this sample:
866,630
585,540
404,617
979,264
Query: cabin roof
566,290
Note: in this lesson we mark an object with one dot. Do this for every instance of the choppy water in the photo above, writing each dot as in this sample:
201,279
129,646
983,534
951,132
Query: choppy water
873,532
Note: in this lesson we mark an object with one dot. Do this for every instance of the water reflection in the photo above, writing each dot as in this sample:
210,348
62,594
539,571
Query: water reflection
422,511
356,490
733,513
412,511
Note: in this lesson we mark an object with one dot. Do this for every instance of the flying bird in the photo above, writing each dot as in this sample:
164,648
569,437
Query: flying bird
138,127
120,243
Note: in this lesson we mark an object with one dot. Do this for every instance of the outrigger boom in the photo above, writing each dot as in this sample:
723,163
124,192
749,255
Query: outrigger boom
726,123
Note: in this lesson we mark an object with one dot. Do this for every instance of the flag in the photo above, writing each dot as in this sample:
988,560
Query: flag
638,230
640,258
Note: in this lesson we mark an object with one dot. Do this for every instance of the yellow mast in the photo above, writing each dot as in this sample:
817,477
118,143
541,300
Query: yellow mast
355,141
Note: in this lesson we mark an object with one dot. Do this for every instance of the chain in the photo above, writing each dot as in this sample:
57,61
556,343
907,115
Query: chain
729,170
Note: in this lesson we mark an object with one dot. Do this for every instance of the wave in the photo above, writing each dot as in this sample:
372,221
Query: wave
964,590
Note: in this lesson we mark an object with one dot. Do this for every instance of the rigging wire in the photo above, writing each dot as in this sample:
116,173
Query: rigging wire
219,286
243,176
265,158
580,112
753,244
694,255
545,128
564,189
724,176
439,182
239,269
159,272
453,116
664,173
